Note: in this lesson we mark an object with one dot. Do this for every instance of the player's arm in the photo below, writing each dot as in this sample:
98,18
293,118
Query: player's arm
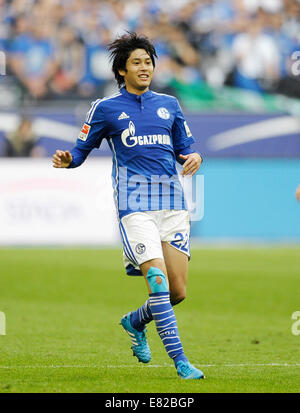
90,137
61,159
183,139
192,163
66,159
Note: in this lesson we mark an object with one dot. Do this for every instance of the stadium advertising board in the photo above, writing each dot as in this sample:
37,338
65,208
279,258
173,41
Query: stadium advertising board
43,206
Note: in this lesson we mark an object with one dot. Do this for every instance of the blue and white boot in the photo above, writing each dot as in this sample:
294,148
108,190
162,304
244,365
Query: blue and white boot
138,339
186,370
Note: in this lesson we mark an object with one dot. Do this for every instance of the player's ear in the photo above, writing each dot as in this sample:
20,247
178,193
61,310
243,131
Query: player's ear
122,72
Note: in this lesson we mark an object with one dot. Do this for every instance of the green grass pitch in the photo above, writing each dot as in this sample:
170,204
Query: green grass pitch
63,309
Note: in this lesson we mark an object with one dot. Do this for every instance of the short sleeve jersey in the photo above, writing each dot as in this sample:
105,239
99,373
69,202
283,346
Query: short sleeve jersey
145,133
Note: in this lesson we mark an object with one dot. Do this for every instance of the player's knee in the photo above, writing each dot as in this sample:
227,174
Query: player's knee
157,280
177,297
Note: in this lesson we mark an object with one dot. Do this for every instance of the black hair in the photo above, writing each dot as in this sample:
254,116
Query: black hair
121,48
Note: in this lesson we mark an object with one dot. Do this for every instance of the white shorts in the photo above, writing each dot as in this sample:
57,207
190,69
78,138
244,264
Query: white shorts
143,232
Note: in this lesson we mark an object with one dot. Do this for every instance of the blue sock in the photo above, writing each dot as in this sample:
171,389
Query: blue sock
163,315
141,316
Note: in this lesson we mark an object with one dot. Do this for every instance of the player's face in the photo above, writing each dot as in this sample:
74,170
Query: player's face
139,72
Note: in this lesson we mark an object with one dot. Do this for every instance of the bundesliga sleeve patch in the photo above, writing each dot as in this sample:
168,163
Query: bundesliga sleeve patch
84,132
187,129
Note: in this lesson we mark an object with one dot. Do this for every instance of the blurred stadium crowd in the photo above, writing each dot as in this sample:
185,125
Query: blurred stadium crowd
56,49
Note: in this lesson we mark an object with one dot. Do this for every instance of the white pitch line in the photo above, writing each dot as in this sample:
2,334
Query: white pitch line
152,366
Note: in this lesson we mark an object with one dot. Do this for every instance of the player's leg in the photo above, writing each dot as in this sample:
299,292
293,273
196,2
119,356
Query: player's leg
163,314
175,231
176,263
157,263
141,243
175,237
175,266
143,315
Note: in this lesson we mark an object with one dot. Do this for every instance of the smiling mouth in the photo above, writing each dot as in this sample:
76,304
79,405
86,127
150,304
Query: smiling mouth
144,77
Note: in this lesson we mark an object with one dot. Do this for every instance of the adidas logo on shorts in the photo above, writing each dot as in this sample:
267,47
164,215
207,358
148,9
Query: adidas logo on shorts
123,116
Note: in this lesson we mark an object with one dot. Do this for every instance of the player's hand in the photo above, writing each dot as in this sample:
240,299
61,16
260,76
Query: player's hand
298,193
192,163
61,159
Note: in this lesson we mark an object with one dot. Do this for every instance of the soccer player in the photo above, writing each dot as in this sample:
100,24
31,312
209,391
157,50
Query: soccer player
147,133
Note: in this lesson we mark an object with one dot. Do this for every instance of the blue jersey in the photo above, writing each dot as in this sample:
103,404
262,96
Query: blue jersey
146,134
